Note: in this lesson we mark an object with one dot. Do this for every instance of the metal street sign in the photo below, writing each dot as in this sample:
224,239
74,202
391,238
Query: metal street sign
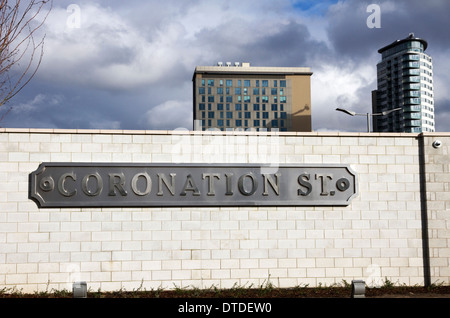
164,185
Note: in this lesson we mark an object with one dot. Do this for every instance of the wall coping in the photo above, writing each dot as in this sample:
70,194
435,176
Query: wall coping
209,133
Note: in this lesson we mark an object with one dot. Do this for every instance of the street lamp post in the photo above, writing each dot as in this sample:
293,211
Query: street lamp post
351,113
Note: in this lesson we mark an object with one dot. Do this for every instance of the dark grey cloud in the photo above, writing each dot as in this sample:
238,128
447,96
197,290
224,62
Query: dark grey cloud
350,35
280,44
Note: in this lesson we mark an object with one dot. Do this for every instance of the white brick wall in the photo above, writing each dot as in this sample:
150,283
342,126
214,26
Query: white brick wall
378,236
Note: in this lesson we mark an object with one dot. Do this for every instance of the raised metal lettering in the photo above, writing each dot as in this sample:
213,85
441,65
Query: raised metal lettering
163,179
302,180
241,186
190,185
210,177
324,184
148,184
274,184
61,184
229,187
85,185
113,185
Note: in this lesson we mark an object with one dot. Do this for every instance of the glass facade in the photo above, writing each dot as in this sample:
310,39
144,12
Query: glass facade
404,80
247,101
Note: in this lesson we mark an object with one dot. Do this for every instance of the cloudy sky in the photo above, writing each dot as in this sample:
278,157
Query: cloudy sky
128,64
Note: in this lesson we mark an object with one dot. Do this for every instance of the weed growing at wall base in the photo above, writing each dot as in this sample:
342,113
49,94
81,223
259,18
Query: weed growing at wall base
266,290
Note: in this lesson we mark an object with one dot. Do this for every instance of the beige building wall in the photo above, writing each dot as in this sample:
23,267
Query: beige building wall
301,103
397,228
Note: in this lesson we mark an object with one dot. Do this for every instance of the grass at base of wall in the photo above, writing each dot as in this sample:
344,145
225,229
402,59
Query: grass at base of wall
266,290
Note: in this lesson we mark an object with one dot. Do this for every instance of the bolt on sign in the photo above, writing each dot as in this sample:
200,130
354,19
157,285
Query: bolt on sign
158,185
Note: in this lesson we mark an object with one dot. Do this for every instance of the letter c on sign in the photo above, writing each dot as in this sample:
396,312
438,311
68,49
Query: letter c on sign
62,189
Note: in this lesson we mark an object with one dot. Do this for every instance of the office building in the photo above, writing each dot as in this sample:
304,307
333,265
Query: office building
239,96
405,80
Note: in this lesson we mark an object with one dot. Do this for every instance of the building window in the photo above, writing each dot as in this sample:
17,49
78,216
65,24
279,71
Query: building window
274,91
238,107
237,91
230,115
229,83
201,106
210,114
219,106
210,99
256,91
201,90
248,115
219,90
210,82
238,123
274,107
256,107
283,99
256,122
265,83
246,83
220,122
282,83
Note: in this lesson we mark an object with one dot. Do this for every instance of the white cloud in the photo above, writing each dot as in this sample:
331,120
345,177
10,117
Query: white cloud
38,102
107,51
170,115
335,86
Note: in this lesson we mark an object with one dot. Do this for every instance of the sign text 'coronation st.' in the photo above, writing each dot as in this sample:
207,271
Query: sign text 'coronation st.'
160,185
